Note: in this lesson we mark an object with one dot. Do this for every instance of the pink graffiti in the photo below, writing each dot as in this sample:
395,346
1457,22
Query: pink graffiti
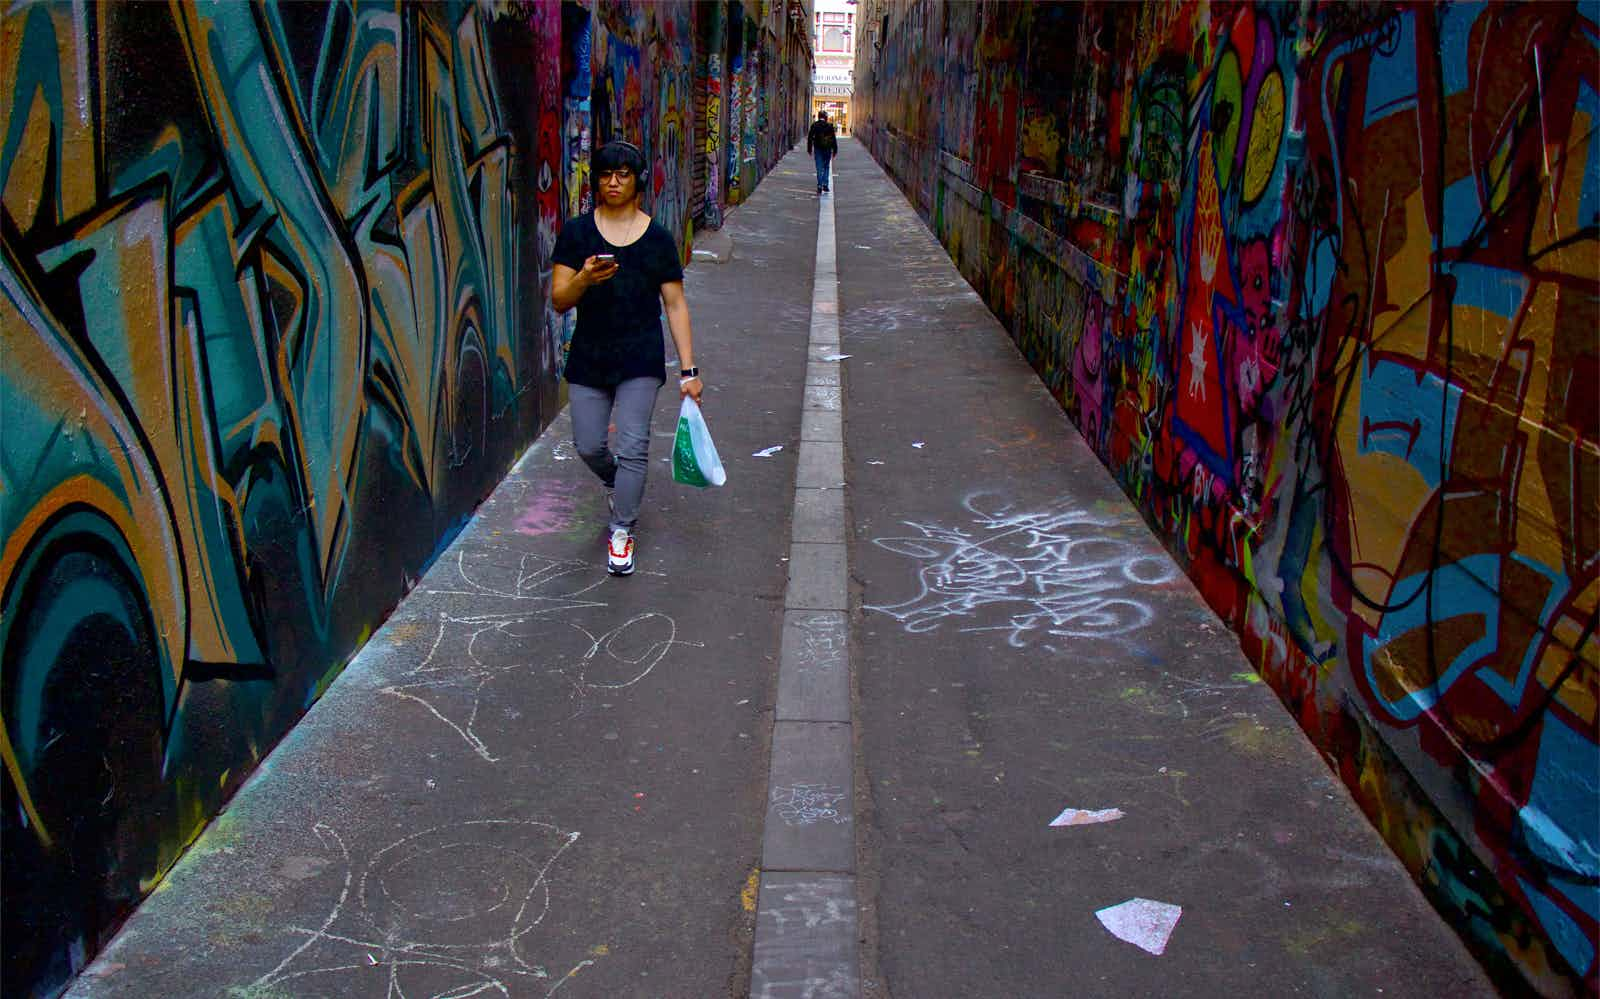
1254,351
552,511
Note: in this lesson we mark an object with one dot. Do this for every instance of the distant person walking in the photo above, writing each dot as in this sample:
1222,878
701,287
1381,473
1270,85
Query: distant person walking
822,142
620,269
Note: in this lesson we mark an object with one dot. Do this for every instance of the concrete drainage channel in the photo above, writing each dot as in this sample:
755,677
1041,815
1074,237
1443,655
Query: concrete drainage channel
806,922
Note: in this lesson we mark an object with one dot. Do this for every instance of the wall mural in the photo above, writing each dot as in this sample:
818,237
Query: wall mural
737,81
711,127
1321,286
750,98
264,300
544,25
643,71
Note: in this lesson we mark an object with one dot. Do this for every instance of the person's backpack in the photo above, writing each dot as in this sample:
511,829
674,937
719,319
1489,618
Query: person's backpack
824,138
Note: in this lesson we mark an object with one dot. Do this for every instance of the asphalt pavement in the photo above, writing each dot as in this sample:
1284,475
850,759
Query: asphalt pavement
1025,647
536,779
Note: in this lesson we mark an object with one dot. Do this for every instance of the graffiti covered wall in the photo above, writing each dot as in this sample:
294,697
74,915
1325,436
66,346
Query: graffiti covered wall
1320,283
270,332
643,69
642,58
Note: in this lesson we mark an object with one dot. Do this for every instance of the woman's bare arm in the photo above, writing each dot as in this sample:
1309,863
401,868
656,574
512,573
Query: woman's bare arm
677,307
568,285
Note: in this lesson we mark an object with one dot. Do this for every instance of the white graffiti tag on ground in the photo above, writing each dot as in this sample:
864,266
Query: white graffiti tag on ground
1034,575
445,913
794,921
808,804
528,628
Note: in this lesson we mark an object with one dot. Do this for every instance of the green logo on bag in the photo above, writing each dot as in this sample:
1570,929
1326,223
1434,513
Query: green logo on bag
685,468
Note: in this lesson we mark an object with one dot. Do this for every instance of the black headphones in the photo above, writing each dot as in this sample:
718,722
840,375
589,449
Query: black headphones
644,165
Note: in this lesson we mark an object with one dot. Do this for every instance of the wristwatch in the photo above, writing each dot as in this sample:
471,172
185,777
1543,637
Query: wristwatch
689,373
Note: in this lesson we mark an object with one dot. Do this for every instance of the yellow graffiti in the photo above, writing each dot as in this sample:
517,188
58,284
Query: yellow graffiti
1226,115
1040,140
1208,215
8,757
1266,135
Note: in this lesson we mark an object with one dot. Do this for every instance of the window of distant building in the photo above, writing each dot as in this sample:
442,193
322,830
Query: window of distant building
835,31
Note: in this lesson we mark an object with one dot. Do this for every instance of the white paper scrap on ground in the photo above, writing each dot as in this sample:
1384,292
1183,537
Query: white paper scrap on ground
920,444
768,452
836,357
1141,922
1084,816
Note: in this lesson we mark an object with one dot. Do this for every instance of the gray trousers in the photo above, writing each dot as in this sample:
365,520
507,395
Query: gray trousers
629,406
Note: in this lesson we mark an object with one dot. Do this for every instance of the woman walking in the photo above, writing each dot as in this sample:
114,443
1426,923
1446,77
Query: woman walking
620,269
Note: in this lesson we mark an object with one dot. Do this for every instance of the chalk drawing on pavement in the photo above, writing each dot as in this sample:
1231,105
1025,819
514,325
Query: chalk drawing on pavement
792,917
552,510
822,397
535,583
532,625
1033,575
808,804
822,641
446,913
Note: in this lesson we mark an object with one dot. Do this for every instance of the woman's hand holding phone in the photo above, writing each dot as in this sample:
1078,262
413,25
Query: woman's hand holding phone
599,268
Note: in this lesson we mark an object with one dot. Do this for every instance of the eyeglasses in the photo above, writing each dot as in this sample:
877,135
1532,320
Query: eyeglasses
621,173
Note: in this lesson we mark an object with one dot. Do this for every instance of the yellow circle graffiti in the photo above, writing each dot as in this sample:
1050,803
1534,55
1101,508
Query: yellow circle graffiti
1266,136
1227,100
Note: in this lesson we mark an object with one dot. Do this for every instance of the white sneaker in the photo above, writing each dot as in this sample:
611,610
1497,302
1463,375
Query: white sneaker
619,553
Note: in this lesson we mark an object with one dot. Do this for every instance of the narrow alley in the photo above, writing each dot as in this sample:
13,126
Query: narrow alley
535,779
1159,552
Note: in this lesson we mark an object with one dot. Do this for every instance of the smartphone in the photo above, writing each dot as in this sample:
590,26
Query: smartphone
606,258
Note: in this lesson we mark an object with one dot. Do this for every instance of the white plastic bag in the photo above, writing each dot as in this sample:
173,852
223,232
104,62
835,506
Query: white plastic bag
694,457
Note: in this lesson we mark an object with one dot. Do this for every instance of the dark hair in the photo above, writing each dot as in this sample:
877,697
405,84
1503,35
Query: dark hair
822,116
618,153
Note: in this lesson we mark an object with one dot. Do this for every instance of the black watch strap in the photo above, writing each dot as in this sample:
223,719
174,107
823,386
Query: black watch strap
689,373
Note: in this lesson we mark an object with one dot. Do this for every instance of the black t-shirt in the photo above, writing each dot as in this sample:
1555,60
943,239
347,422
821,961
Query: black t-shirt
619,321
